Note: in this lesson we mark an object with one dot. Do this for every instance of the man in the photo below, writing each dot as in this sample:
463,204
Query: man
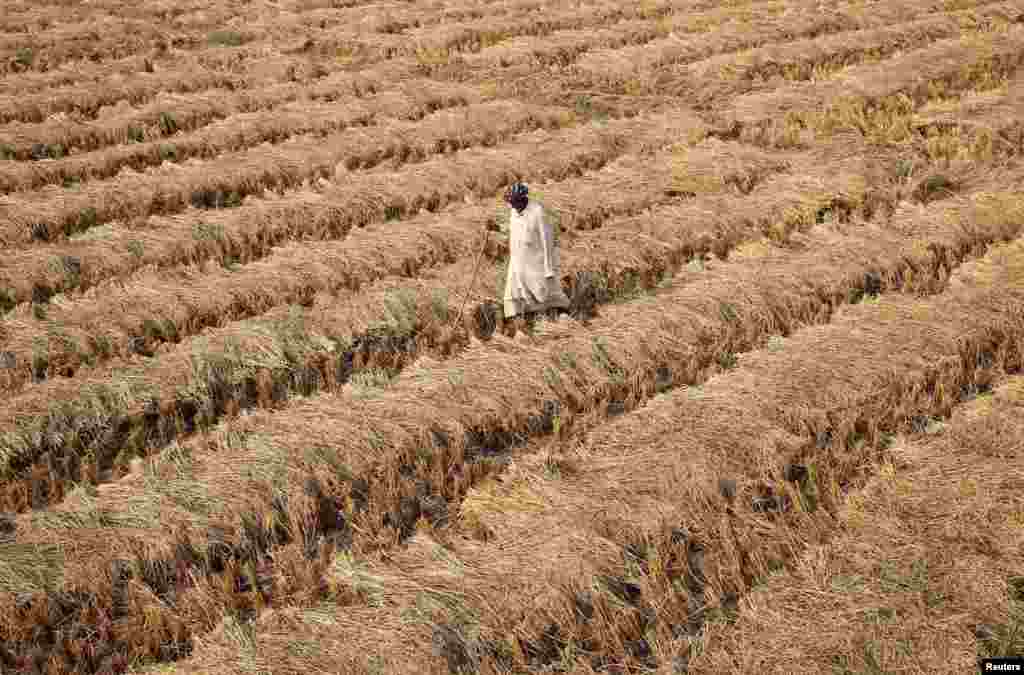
532,285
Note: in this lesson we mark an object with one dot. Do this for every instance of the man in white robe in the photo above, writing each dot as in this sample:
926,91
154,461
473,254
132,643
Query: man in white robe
533,284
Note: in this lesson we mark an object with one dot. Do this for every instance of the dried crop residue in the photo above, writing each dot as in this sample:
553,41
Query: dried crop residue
926,575
264,413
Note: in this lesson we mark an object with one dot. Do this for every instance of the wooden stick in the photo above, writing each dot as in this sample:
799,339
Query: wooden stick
472,280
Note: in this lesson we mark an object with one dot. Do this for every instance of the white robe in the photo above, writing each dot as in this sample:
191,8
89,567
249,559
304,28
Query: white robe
533,282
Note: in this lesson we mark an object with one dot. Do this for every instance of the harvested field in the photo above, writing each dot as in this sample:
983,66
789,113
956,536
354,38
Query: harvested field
264,412
734,35
936,529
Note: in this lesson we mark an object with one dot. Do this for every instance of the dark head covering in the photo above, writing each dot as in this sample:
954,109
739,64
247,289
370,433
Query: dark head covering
516,195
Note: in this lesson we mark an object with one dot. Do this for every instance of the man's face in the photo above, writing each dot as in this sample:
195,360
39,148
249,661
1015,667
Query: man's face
519,203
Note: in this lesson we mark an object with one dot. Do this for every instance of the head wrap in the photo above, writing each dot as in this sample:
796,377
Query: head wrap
516,193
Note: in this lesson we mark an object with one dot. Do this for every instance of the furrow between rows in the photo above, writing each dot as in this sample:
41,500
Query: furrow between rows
874,99
988,124
187,301
237,132
23,15
87,99
74,217
440,43
636,137
740,476
392,321
35,274
616,555
250,231
936,528
82,44
160,118
689,37
107,37
315,473
53,214
749,33
220,121
624,255
729,75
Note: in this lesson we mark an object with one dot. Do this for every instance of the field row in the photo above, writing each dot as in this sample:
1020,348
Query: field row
191,303
150,128
89,98
20,15
389,323
183,302
358,199
240,65
21,280
94,39
174,120
289,33
314,471
155,135
54,214
728,75
660,518
989,122
612,260
676,40
157,119
137,314
23,17
233,67
97,35
474,601
612,253
92,43
222,400
864,98
19,140
993,56
651,67
109,37
939,522
453,230
448,39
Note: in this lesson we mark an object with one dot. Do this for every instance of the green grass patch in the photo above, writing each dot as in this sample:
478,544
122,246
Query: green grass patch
370,382
603,360
168,125
168,152
1007,638
30,568
24,57
204,231
225,38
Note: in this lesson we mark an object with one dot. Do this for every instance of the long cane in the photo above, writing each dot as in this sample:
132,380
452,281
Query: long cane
472,280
